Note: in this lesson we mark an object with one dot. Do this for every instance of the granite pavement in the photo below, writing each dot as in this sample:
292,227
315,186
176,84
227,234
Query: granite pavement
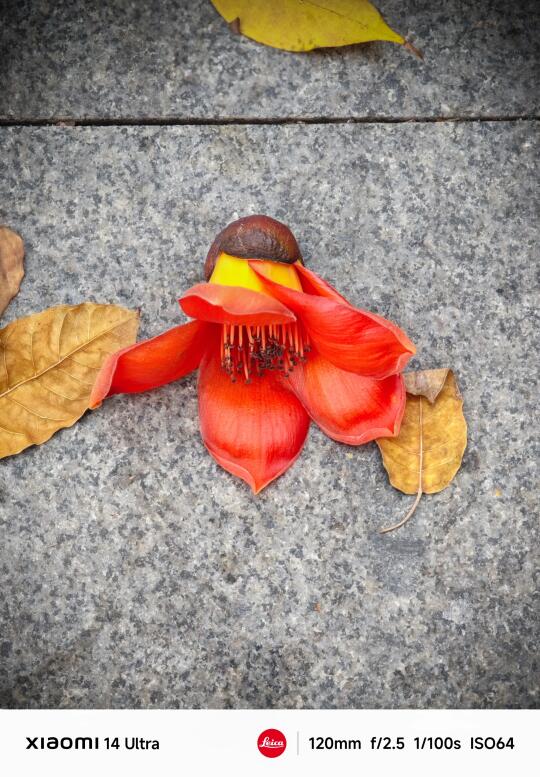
168,59
134,571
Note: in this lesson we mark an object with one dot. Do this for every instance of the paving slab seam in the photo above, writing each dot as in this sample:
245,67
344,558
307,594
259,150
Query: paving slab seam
243,121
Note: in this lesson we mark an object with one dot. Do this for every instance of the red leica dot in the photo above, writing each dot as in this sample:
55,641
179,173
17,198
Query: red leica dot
271,743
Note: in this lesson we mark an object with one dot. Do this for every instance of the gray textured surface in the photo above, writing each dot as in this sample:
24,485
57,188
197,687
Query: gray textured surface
135,572
167,58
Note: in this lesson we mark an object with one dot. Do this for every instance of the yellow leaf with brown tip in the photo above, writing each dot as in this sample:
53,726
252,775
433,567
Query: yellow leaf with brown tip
428,450
48,365
298,25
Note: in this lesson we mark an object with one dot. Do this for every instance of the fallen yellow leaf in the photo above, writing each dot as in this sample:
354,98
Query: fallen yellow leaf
48,364
11,265
301,25
428,450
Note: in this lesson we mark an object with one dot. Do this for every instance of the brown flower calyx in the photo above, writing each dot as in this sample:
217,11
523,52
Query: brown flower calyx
254,237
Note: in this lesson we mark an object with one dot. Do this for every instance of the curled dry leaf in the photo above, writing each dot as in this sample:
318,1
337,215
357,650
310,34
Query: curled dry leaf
428,450
48,365
426,383
296,25
11,265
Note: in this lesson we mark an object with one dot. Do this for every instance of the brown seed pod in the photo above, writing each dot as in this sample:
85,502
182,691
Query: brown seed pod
254,237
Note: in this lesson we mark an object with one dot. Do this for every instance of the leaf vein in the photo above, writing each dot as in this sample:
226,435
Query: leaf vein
78,380
58,394
62,359
35,413
20,434
61,330
426,468
80,364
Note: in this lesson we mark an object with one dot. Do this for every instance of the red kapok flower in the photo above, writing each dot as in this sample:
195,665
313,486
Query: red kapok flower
275,346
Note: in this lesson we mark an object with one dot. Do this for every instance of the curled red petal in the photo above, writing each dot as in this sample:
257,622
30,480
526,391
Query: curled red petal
255,431
233,305
348,407
152,363
314,284
352,339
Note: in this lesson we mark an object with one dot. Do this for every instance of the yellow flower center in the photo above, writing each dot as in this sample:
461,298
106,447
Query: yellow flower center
232,271
249,351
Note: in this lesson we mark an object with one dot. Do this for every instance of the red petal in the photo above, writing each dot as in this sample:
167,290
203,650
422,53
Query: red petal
314,284
254,431
151,363
352,339
233,305
348,407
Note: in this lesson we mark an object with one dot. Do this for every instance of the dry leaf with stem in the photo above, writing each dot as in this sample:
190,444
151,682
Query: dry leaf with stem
298,25
427,452
11,265
48,365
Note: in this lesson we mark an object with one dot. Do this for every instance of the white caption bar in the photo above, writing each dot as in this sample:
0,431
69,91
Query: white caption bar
244,743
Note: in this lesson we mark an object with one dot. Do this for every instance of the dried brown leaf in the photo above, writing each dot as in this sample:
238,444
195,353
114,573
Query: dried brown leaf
427,452
426,383
11,265
48,365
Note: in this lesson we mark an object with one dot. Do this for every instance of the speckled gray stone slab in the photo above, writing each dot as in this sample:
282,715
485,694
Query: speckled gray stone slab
135,572
168,58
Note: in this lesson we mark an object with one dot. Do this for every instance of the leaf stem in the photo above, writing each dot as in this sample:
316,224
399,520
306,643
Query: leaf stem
420,479
409,46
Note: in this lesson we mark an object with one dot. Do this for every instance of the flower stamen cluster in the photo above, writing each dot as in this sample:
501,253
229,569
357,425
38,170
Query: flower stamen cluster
251,350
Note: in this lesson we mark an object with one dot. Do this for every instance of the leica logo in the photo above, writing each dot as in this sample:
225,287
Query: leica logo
271,743
267,742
